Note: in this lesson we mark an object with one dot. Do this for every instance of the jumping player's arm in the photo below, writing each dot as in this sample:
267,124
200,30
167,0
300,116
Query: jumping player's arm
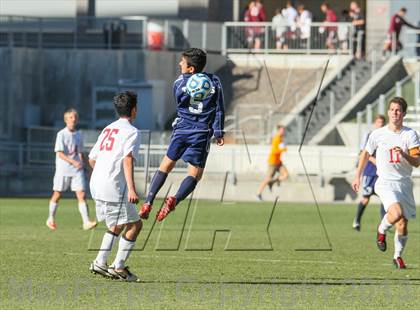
219,120
131,152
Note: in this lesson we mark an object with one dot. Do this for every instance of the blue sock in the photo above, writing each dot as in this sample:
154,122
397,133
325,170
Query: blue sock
186,188
157,181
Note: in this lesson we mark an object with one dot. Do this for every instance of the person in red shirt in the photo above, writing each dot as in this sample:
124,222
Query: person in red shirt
393,38
255,13
330,17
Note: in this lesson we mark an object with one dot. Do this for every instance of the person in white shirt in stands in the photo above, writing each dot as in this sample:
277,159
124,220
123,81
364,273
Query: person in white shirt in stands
304,21
69,170
397,152
113,189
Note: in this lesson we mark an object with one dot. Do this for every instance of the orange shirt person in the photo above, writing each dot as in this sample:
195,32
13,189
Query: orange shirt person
275,163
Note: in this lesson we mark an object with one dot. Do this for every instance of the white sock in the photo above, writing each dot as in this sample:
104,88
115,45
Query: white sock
106,247
84,212
53,210
399,244
385,225
124,249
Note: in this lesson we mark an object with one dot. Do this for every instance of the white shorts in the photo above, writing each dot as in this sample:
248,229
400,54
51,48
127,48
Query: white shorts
76,183
401,192
115,213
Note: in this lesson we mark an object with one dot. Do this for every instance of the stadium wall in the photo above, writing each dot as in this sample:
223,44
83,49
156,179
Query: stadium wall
42,83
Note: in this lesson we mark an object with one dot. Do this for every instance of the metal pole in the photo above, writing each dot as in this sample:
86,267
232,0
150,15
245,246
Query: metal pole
204,35
369,115
321,168
373,68
359,126
166,33
75,33
381,105
185,26
224,38
417,89
394,43
332,105
266,39
39,33
398,89
353,83
145,41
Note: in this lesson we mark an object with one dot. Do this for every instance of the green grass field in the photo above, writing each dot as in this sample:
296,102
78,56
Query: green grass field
181,267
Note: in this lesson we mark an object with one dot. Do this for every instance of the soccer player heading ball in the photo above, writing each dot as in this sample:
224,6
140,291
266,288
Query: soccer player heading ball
196,122
397,152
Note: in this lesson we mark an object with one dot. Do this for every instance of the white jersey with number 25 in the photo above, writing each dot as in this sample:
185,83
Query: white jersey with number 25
390,165
115,142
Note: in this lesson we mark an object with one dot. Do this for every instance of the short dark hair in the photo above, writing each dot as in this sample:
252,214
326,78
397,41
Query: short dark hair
279,126
196,58
326,4
125,102
403,9
381,117
400,101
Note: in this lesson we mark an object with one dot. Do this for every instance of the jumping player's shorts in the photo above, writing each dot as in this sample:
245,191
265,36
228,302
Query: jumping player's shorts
76,183
368,184
401,192
115,213
191,143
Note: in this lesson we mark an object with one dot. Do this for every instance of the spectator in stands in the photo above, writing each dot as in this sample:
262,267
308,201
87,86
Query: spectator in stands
304,21
343,30
279,23
393,39
291,15
330,17
359,24
255,13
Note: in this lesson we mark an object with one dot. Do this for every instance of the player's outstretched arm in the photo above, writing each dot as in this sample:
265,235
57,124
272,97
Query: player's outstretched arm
363,159
413,156
128,165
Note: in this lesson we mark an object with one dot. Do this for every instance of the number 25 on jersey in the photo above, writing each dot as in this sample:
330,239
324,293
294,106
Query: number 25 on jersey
109,138
394,157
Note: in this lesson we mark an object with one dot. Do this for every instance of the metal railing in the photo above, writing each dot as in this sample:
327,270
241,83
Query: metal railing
366,117
411,43
136,32
266,37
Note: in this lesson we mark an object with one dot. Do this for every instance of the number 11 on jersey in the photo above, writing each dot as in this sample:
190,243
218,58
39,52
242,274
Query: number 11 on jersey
394,158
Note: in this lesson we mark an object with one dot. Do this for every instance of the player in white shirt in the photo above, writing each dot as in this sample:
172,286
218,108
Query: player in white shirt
113,189
397,152
69,170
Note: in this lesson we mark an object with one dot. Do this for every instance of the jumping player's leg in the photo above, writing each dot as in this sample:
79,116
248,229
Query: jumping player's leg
189,183
159,178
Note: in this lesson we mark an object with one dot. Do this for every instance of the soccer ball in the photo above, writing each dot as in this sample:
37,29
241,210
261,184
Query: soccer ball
199,86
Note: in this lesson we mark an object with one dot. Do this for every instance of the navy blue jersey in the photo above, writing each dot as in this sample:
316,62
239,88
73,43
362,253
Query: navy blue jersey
208,113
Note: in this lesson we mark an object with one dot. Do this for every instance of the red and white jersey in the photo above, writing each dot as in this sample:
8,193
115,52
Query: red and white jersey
115,142
391,166
71,144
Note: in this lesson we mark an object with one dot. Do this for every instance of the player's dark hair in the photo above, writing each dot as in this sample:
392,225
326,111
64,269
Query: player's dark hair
326,4
196,58
403,9
125,102
380,116
279,126
400,101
